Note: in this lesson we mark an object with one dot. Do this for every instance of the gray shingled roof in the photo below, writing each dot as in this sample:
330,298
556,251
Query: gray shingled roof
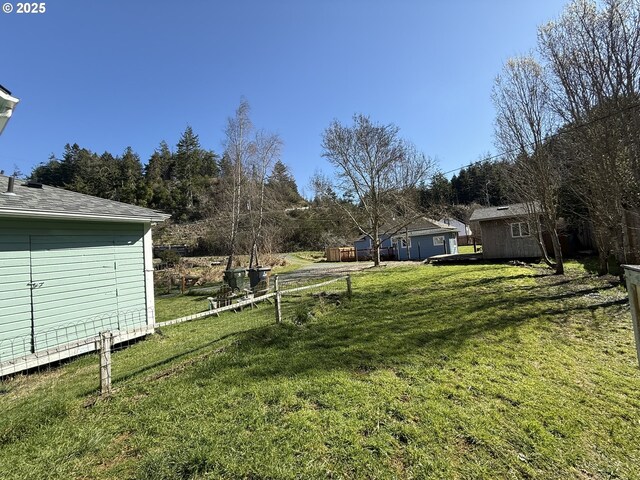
63,203
422,223
507,211
421,226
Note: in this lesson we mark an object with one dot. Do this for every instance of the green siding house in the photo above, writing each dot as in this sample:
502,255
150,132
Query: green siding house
71,265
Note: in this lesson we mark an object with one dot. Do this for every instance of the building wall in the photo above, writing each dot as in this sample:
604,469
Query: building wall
423,247
497,241
363,244
55,276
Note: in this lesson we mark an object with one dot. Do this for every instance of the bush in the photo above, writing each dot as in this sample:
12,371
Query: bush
170,256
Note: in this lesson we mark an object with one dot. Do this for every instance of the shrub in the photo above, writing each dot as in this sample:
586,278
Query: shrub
170,256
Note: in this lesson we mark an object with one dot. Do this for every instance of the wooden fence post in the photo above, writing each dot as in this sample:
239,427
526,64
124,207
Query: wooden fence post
105,362
632,274
278,304
349,291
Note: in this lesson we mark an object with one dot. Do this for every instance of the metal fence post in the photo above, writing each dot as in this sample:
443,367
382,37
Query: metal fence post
106,339
278,304
349,291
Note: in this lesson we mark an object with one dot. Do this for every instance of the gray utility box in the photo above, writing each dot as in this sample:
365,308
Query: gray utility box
235,278
257,275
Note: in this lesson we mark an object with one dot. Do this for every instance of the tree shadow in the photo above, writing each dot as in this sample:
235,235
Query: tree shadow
391,333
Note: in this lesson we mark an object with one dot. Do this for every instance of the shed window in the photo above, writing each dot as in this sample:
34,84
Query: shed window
439,240
520,229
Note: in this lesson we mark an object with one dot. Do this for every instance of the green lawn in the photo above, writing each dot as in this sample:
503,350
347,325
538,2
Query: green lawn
176,305
468,248
481,371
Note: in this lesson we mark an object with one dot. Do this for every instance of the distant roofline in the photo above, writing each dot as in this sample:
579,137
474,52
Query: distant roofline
5,90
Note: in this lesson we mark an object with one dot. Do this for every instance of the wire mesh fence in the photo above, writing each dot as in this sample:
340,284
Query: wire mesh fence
296,301
43,346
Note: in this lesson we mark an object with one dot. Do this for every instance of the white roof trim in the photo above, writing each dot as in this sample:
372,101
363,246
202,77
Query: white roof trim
76,216
8,98
431,231
7,104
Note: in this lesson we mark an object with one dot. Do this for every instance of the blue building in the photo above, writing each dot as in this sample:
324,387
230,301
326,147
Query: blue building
417,241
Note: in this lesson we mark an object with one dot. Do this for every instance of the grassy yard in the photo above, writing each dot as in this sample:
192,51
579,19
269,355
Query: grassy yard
481,371
468,248
176,305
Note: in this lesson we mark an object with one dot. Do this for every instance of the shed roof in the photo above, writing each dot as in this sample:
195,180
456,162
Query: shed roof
52,202
507,211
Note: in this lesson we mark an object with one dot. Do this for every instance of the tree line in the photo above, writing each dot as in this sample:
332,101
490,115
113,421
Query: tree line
187,182
176,182
250,195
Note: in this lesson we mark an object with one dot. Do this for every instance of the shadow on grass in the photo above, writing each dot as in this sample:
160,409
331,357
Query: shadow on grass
387,332
362,345
171,359
591,265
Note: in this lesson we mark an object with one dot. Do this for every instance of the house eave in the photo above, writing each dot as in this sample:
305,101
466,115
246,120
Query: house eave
11,213
433,231
507,218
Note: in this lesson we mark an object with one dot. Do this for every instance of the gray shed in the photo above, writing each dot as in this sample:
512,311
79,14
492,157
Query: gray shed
506,231
71,265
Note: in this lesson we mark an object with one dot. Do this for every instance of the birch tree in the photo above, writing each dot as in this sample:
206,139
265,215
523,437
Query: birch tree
238,150
249,156
265,152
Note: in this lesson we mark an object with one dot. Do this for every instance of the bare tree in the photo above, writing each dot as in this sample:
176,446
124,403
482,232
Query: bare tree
238,150
265,151
379,170
594,54
248,158
524,122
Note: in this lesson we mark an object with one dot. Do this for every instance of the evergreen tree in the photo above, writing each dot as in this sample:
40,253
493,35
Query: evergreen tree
158,173
482,182
130,175
193,166
282,186
161,164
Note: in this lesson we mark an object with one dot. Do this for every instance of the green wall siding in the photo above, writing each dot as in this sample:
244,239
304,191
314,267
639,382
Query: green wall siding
87,277
15,296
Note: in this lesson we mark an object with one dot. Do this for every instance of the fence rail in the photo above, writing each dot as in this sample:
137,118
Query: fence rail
104,332
53,344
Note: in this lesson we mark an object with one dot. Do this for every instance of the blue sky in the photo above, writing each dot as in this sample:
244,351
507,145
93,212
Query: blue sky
112,74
